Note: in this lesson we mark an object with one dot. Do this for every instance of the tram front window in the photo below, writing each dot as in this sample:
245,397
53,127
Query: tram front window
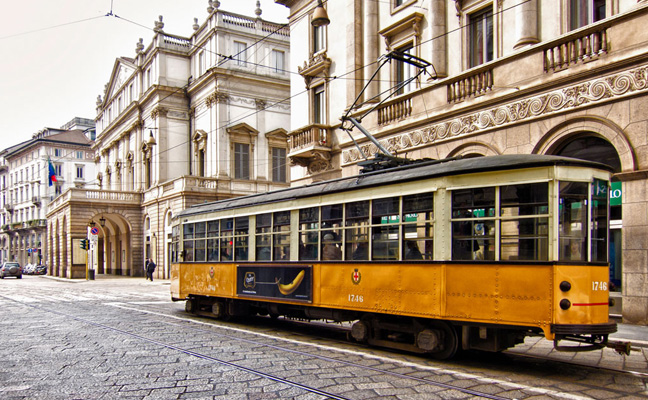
573,221
599,220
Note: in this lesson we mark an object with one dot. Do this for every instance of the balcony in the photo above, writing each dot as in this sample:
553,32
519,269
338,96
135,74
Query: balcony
310,147
36,200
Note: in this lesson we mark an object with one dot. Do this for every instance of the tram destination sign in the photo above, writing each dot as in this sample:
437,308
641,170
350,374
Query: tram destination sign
292,282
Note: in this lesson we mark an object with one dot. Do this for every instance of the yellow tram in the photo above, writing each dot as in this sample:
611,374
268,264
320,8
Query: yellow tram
432,257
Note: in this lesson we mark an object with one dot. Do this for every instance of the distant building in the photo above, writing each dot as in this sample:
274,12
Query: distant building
26,189
184,121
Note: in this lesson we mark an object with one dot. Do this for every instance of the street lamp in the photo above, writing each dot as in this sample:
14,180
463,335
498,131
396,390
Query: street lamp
102,221
320,17
91,224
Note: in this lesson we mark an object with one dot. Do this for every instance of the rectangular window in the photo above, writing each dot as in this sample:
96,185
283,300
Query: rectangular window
319,38
201,63
79,171
600,220
356,224
319,105
58,153
524,229
404,73
241,161
281,236
200,230
481,37
278,164
79,155
573,221
385,219
59,169
308,236
473,228
331,232
213,240
278,60
227,239
241,231
585,12
418,230
263,237
240,53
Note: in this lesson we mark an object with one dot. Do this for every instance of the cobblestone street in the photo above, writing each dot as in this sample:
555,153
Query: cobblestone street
123,338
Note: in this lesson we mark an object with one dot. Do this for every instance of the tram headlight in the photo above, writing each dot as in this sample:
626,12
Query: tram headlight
565,286
565,304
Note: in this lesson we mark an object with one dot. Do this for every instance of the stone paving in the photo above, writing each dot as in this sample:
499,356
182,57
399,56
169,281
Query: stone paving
111,339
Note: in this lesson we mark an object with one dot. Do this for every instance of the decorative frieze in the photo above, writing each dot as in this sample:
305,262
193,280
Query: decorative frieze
565,99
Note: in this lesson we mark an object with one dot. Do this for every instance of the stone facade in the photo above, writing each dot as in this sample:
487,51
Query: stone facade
180,123
538,78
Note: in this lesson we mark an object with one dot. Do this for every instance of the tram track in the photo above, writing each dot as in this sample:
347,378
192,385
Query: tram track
531,391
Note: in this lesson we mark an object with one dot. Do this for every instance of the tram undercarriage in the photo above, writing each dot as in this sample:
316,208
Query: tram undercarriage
437,338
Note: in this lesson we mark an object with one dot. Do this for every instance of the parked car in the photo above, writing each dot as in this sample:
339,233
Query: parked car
40,270
28,269
10,269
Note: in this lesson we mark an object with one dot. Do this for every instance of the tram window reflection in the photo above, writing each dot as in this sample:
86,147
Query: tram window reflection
308,226
418,230
524,235
241,226
263,237
212,240
573,220
281,236
385,229
356,226
226,239
472,234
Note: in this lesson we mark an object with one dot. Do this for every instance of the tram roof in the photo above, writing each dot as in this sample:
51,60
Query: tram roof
412,172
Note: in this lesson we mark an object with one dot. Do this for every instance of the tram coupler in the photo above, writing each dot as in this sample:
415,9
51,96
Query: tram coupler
621,347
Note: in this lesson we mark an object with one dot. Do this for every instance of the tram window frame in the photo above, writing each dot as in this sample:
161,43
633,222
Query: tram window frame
418,232
573,220
385,229
331,235
357,229
264,237
175,242
281,236
600,210
308,234
524,223
226,239
473,215
188,242
200,231
213,240
241,238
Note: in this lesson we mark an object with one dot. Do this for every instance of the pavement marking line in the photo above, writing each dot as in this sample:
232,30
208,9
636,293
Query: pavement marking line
461,375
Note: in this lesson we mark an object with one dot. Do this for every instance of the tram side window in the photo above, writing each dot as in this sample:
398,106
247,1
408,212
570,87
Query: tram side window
524,234
200,243
227,239
188,243
472,232
175,237
385,218
263,237
281,236
308,231
331,232
600,220
418,230
212,240
356,233
241,230
573,220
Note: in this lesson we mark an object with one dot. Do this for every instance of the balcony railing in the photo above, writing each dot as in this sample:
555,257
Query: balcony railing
310,143
473,84
399,109
580,47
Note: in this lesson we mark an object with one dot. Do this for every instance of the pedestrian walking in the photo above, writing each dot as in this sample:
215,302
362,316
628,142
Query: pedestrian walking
146,263
150,268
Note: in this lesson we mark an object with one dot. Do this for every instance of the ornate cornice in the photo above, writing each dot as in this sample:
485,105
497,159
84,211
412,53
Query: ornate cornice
561,100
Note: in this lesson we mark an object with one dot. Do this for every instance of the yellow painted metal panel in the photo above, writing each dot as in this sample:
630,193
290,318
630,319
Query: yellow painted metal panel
216,280
503,294
589,295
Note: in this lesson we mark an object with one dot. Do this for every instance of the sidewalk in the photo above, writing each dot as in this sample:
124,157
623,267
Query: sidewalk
108,277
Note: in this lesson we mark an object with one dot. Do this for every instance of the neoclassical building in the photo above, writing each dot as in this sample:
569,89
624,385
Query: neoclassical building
26,189
185,120
522,76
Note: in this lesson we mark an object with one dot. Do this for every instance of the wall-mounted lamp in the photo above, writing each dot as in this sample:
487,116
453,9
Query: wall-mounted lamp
102,221
320,17
151,140
91,224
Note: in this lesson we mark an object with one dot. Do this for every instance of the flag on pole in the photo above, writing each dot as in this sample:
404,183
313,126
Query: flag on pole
52,171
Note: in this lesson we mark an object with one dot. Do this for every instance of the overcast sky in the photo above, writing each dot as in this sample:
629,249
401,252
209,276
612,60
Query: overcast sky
57,55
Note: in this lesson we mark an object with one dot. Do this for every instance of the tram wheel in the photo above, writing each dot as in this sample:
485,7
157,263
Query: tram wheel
450,340
191,306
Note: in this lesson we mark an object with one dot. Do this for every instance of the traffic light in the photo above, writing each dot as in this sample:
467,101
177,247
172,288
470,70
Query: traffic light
85,244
